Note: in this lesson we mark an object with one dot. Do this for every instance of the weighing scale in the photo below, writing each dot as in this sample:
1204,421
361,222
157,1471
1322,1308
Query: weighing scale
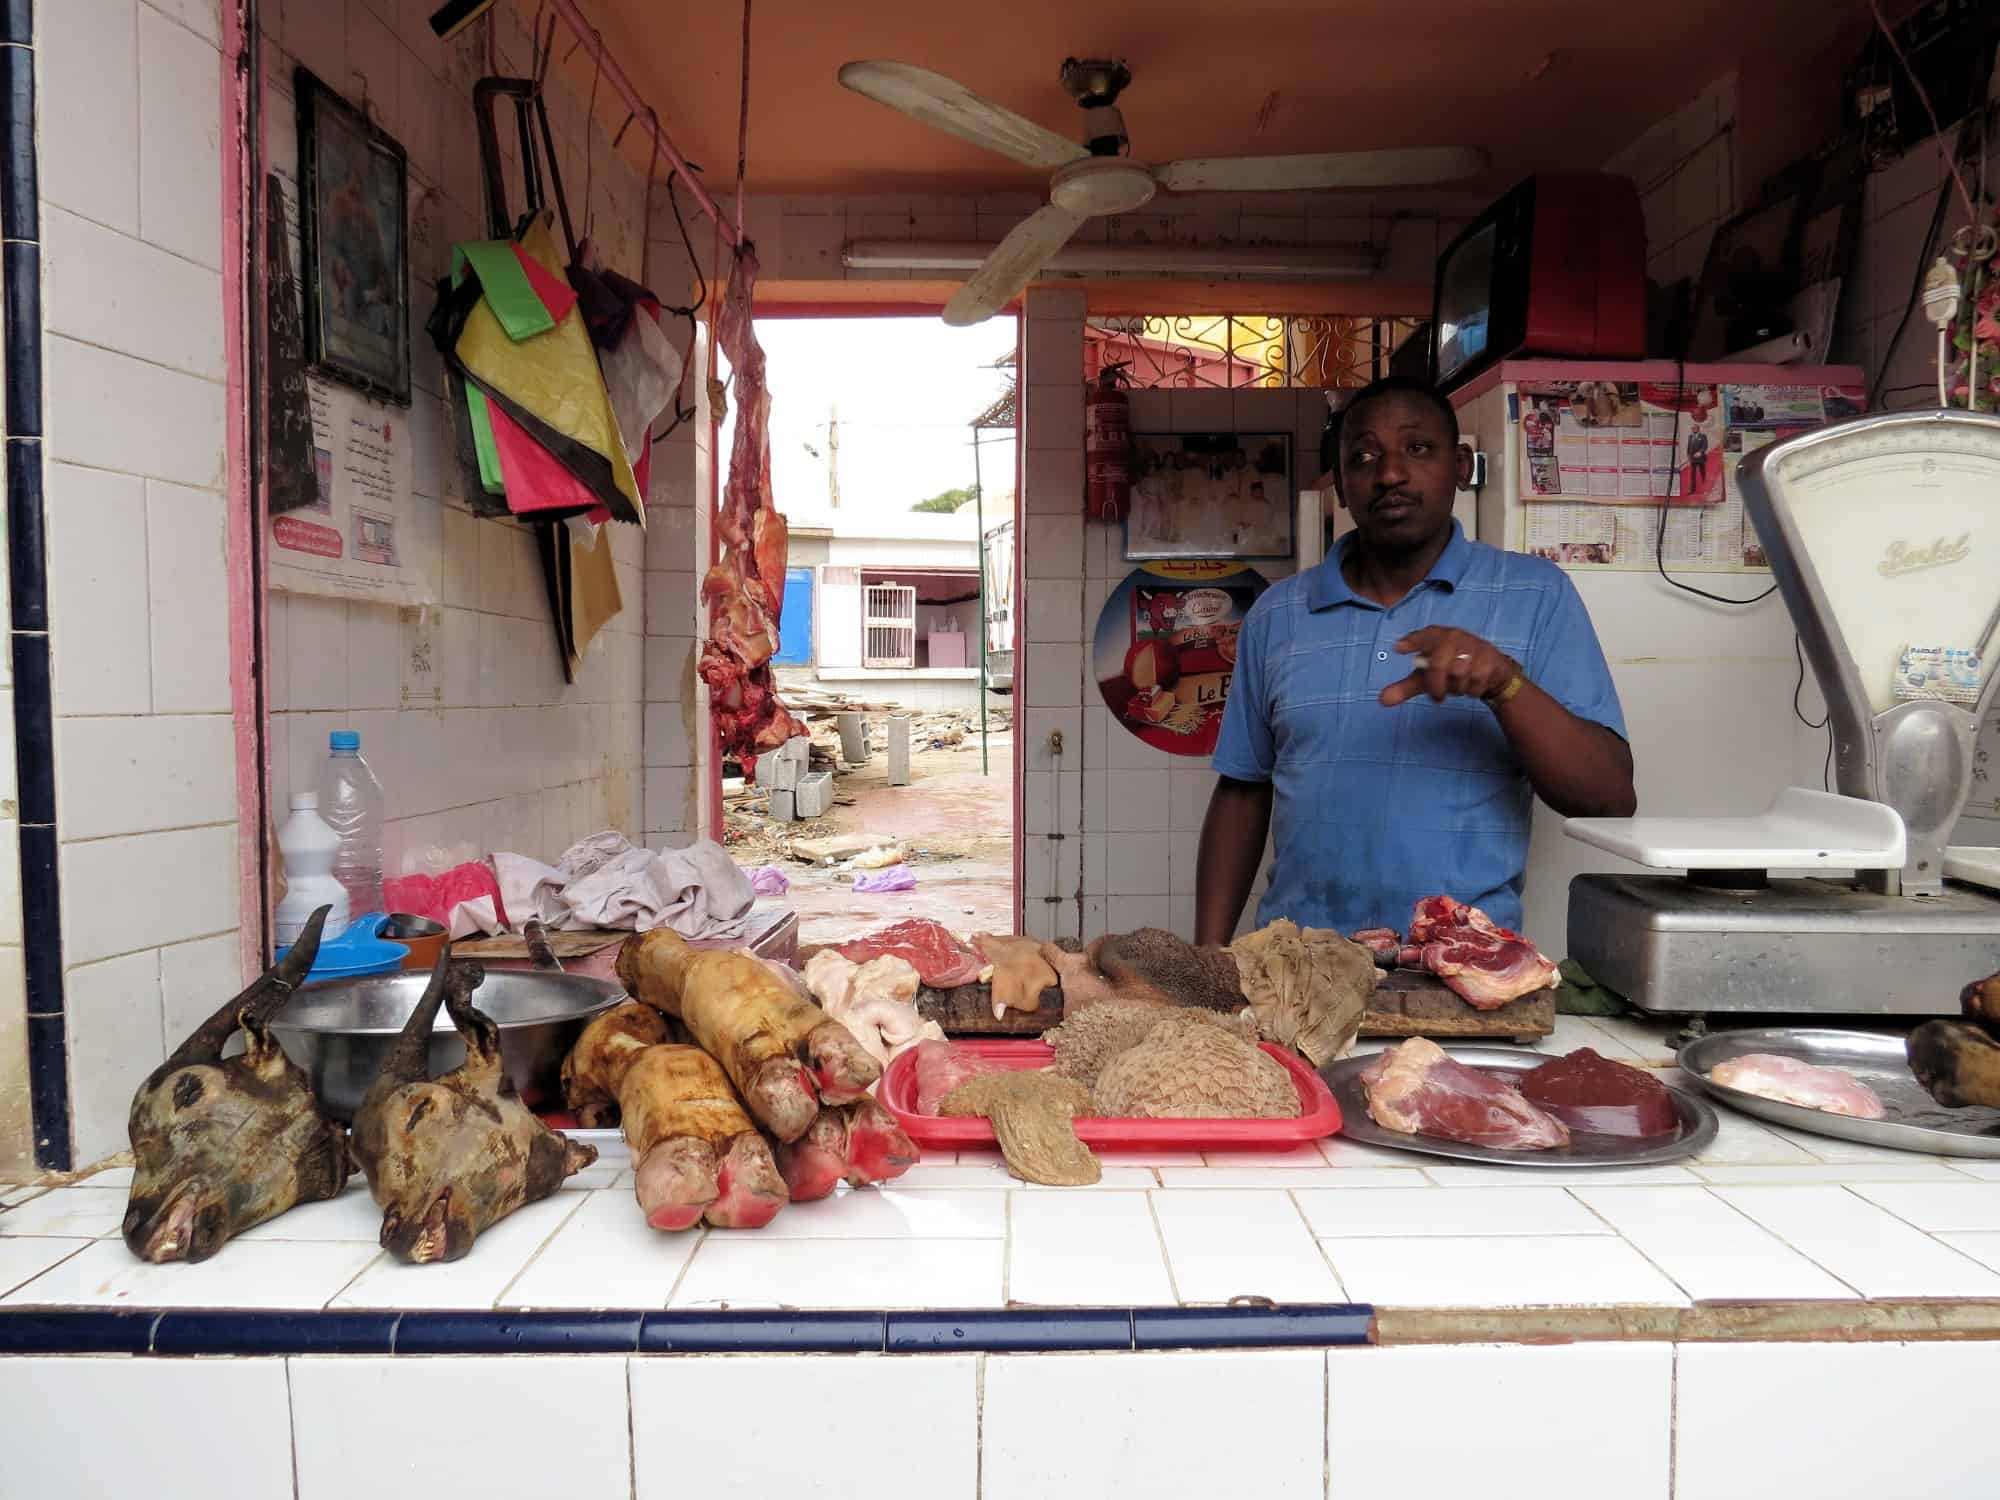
1884,540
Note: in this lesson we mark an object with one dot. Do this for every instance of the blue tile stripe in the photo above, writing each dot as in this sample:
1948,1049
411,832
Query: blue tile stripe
27,576
173,1332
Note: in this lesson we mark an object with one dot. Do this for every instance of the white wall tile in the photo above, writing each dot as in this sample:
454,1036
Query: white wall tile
1713,1252
1616,1400
180,140
1579,1270
787,1420
1137,862
1123,913
1149,1426
98,591
195,978
1054,481
1085,1250
188,599
1868,1248
316,653
204,18
1136,801
89,49
138,775
429,1423
375,646
108,288
1054,547
1053,610
746,1270
1229,1244
114,1041
189,877
179,1415
1054,677
170,425
1734,1400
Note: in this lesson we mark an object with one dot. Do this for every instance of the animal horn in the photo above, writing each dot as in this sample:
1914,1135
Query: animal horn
482,1036
409,1061
268,990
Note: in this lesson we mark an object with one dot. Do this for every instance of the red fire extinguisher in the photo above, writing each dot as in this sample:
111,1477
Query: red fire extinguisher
1107,448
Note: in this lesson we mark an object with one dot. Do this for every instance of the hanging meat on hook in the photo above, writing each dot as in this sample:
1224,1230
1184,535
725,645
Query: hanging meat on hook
449,1158
219,1145
744,591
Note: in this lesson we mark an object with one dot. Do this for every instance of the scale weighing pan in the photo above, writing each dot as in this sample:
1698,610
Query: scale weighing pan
1586,1149
1912,1120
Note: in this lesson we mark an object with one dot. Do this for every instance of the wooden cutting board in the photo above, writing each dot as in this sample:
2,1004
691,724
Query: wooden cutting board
1410,1002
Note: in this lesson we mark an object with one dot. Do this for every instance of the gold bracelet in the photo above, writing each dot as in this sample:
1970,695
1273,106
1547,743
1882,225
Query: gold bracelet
1506,694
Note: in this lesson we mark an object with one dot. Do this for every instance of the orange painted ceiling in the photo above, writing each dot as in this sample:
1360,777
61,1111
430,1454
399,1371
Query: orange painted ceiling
1541,84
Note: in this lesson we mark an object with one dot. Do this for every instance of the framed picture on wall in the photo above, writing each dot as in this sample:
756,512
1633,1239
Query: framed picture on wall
354,247
1210,495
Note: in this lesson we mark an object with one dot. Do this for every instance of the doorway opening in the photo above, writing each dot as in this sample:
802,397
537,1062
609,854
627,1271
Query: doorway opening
894,447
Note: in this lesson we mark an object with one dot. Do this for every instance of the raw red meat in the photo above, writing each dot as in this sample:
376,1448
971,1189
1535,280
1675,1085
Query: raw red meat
942,1067
744,591
941,960
1592,1093
1484,963
1379,939
1418,1090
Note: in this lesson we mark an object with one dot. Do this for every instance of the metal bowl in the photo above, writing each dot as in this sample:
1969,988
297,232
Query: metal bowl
341,1030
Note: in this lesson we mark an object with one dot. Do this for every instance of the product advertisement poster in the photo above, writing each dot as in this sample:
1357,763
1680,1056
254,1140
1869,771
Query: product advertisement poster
1704,528
1602,442
1165,650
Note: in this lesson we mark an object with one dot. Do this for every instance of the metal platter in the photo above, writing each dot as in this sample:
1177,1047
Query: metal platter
1585,1149
1912,1120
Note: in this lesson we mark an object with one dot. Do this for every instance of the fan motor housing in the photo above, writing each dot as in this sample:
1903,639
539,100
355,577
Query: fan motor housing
1100,185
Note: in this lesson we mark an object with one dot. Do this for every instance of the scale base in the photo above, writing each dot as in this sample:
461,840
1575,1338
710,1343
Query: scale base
1795,947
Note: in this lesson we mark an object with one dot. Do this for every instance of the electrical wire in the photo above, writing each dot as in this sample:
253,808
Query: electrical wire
1924,98
1799,713
1666,504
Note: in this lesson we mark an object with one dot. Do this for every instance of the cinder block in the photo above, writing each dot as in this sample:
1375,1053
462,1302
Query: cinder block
853,739
815,794
899,752
778,770
784,806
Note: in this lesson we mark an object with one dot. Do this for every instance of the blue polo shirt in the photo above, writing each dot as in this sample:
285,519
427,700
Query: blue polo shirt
1374,807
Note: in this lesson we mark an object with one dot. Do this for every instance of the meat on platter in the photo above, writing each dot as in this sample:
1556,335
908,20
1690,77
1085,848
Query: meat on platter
1482,962
1790,1081
1415,1088
745,590
941,960
1598,1096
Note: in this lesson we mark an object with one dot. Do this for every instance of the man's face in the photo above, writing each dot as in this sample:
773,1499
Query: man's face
1398,471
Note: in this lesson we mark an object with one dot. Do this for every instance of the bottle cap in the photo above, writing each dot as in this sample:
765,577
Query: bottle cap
305,801
344,739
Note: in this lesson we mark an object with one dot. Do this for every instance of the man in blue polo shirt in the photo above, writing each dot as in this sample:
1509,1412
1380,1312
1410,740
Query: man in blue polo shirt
1395,709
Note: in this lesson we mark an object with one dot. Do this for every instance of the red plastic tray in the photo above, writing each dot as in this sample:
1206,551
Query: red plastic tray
1318,1115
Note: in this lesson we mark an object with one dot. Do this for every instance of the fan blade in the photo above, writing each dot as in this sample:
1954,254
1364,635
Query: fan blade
956,110
1012,265
1416,167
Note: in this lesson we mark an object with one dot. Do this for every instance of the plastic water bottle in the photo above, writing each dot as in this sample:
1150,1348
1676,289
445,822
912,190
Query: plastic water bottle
308,848
350,801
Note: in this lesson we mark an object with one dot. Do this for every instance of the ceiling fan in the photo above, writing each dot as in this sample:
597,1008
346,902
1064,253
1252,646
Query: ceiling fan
1096,177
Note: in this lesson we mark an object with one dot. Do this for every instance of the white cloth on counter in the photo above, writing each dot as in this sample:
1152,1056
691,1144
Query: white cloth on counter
474,916
603,881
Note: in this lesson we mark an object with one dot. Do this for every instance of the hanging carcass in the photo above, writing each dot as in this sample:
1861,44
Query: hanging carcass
222,1144
449,1158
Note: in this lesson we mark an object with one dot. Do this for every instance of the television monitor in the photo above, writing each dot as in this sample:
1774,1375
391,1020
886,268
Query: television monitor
1556,268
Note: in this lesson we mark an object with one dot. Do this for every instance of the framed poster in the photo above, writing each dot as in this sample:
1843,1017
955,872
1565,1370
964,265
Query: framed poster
1210,495
1165,650
354,245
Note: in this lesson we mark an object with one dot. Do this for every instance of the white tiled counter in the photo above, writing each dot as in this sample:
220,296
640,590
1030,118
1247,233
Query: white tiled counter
1777,1314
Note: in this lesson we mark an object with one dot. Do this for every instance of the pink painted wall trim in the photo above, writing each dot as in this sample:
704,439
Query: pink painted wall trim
239,240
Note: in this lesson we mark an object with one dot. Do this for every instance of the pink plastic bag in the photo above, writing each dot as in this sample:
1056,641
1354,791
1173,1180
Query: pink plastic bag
769,880
895,878
435,896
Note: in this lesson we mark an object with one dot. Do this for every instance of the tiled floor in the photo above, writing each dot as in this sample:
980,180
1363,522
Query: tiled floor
1763,1215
